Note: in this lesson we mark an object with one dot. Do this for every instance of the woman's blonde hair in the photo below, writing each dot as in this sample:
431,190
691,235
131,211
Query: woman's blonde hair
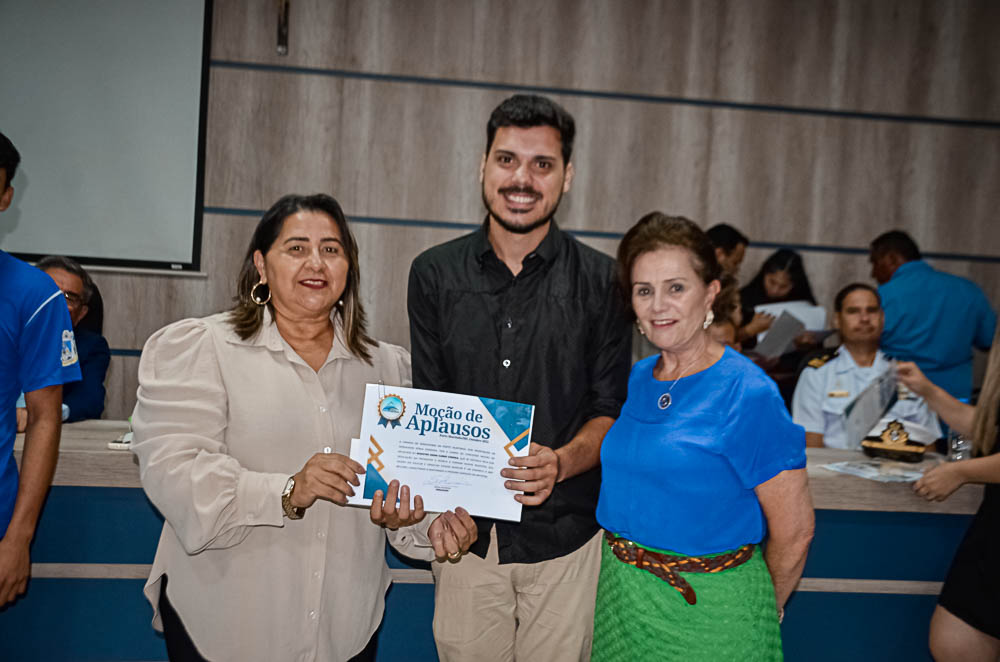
984,423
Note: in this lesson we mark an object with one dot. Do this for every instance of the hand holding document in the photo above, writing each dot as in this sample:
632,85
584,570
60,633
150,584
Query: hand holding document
812,317
865,411
780,337
447,448
450,534
537,472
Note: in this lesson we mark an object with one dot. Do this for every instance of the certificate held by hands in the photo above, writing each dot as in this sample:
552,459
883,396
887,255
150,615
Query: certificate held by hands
448,448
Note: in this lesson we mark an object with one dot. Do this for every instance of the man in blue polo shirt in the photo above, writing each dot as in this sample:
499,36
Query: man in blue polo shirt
37,356
931,318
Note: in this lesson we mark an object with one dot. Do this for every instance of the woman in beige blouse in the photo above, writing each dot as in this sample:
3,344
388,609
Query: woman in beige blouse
243,429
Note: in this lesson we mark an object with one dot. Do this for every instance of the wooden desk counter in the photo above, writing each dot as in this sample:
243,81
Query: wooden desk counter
837,491
99,543
85,460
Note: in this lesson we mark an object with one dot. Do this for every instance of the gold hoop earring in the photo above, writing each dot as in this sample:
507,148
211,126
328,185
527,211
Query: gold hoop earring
256,297
708,320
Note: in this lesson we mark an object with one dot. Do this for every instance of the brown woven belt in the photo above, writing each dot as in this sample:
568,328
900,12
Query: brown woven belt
666,566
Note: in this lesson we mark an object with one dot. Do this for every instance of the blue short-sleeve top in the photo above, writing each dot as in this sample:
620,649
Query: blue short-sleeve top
683,478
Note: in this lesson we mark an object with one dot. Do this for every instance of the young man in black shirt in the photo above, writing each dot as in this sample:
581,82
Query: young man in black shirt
521,311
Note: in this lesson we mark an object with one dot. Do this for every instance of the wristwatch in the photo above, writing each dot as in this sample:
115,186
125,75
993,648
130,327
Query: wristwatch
291,512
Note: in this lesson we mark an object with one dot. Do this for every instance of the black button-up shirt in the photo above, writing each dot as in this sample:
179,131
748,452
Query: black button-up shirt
554,336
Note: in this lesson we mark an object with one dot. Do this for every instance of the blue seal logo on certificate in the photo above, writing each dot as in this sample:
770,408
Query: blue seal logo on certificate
390,409
448,448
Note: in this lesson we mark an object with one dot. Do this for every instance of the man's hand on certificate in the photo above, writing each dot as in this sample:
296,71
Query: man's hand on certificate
452,533
391,515
537,474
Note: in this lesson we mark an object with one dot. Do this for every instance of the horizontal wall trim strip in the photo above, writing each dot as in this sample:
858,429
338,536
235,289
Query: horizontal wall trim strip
141,571
615,96
126,352
883,586
853,250
600,234
417,576
90,570
411,576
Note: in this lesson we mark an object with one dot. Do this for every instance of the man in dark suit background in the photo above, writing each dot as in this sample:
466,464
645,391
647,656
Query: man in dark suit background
83,399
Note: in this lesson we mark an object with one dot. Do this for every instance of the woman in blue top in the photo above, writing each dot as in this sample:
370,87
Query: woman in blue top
703,461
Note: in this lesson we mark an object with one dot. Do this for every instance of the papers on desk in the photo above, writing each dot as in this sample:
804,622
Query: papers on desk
813,317
447,448
883,472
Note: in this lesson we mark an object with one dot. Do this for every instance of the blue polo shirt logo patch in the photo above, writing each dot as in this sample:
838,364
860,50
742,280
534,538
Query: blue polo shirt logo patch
69,356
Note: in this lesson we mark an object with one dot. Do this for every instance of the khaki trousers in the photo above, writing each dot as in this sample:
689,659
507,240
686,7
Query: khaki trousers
521,612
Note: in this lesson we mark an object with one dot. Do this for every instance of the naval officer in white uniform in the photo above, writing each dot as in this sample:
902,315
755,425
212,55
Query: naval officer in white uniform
830,382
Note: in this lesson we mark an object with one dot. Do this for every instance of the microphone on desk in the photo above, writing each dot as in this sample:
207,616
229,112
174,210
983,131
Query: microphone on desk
124,442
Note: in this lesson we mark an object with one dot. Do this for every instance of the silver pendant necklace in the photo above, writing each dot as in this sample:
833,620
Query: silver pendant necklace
665,400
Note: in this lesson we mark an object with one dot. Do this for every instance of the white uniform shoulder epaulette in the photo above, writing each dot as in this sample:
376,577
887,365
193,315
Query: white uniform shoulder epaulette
821,360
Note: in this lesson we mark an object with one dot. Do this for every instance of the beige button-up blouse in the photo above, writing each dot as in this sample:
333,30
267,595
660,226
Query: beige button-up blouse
220,425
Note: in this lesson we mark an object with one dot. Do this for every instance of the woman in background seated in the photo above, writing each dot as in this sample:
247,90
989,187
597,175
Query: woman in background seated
701,463
781,278
242,430
966,623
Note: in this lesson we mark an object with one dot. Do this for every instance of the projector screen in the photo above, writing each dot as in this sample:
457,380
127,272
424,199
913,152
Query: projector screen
105,100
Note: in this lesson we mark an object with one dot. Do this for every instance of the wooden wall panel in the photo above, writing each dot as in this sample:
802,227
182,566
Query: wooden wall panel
136,305
788,178
379,148
385,253
121,384
401,141
935,57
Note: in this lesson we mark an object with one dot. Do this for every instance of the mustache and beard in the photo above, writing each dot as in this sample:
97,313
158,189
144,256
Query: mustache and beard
514,227
861,332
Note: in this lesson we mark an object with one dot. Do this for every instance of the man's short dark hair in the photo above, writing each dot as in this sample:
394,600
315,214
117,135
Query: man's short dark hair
530,110
726,237
838,301
69,265
898,242
9,159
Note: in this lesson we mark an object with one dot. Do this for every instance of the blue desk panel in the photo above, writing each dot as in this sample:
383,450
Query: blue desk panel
858,544
109,619
80,619
857,627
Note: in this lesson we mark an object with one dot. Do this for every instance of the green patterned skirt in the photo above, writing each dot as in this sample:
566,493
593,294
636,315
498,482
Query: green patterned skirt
641,617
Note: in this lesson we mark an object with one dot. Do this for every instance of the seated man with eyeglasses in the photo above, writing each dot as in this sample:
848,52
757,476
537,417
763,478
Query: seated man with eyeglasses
83,399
